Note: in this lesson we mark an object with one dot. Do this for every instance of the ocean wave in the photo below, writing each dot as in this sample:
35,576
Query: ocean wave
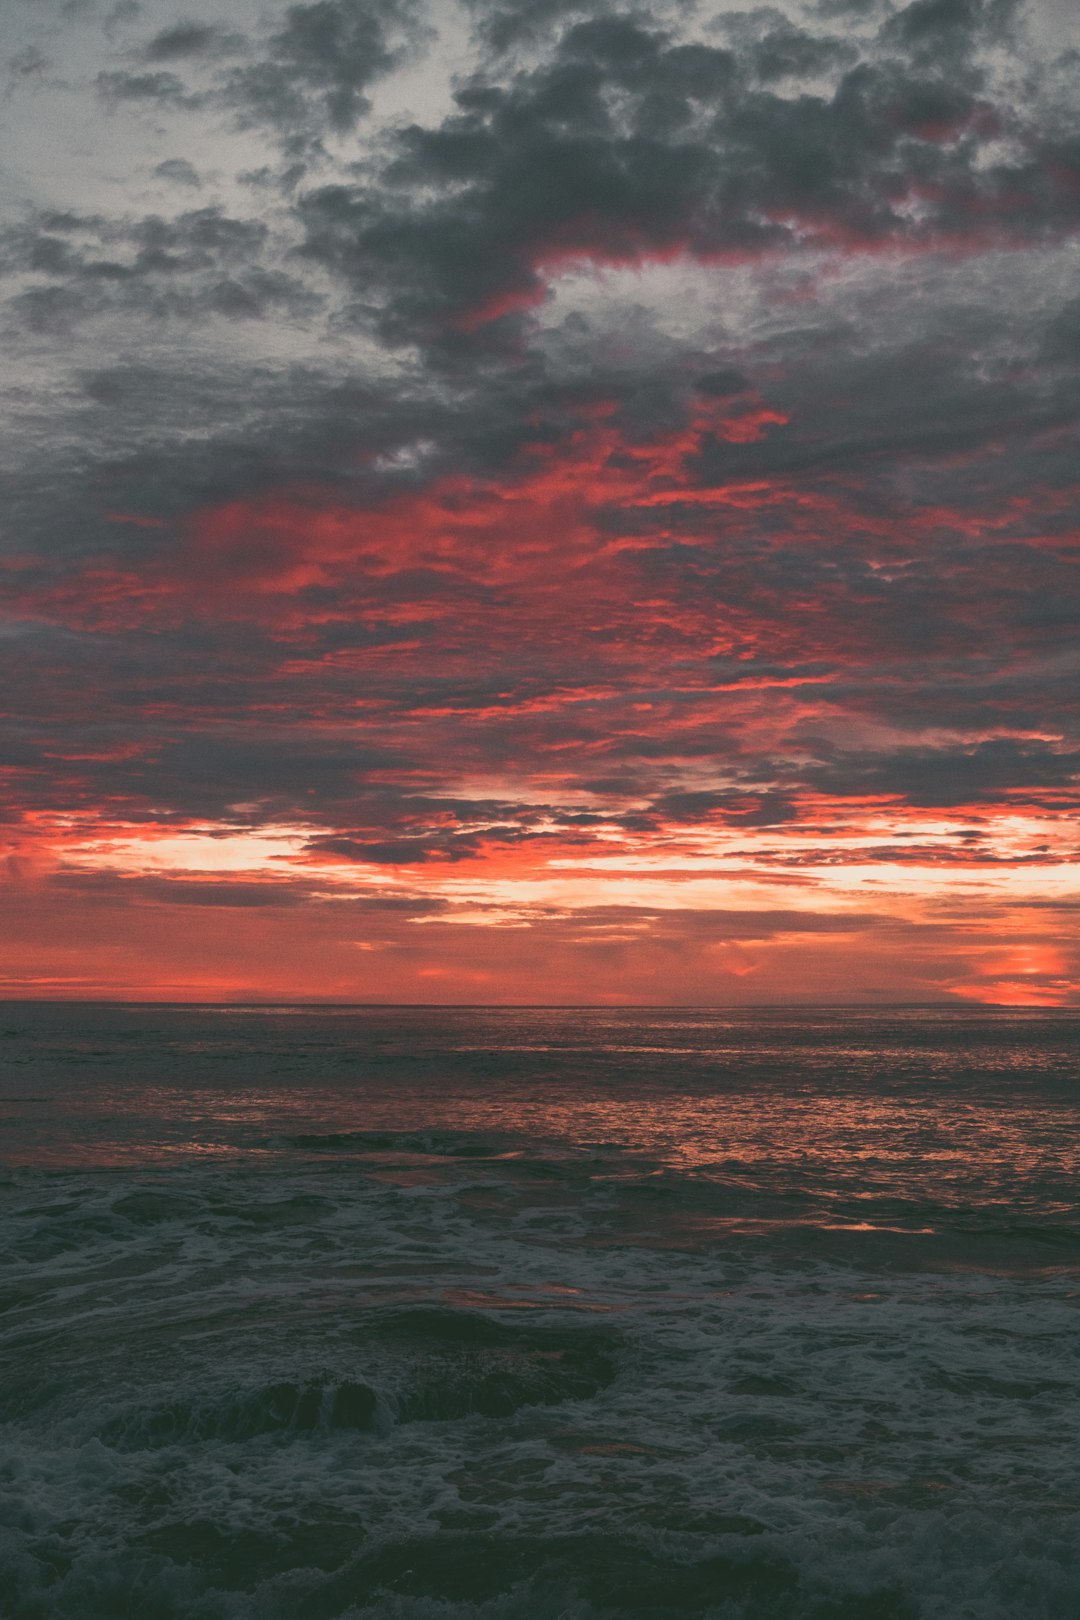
281,1408
630,1335
429,1365
442,1144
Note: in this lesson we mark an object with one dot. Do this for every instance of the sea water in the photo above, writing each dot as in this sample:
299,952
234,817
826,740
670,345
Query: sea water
327,1312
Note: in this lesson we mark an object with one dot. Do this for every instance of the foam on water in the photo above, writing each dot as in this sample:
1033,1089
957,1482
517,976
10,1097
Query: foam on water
544,1315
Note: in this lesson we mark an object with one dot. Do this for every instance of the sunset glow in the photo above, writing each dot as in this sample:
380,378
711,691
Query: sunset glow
533,536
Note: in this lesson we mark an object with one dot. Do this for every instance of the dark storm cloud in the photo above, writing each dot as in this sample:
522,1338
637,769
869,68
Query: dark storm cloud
769,809
141,748
675,146
320,64
408,851
623,144
950,776
950,28
309,76
525,22
190,39
791,53
936,396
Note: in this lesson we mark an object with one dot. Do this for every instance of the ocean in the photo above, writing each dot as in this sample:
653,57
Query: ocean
539,1314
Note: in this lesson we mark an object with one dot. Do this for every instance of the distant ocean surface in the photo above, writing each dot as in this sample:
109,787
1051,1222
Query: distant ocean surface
314,1313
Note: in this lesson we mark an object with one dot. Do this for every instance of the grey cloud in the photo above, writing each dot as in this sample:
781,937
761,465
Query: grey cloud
951,776
762,809
196,239
163,89
950,28
524,22
792,53
190,39
623,143
29,63
201,262
722,384
67,888
847,9
180,171
1061,343
409,851
605,140
142,891
308,77
119,16
319,66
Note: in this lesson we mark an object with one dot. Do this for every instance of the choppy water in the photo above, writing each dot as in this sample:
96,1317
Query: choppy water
539,1314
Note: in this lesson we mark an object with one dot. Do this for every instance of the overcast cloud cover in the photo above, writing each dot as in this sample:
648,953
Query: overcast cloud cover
541,501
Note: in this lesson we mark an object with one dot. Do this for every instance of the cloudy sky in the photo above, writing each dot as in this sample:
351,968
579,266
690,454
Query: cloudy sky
531,500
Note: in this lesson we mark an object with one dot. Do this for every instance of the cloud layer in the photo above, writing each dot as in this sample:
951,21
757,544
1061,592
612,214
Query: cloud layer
542,502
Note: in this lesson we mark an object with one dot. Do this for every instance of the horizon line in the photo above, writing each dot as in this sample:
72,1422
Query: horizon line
958,1005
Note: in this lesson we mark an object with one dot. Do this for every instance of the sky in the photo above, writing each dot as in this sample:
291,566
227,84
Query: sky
533,501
